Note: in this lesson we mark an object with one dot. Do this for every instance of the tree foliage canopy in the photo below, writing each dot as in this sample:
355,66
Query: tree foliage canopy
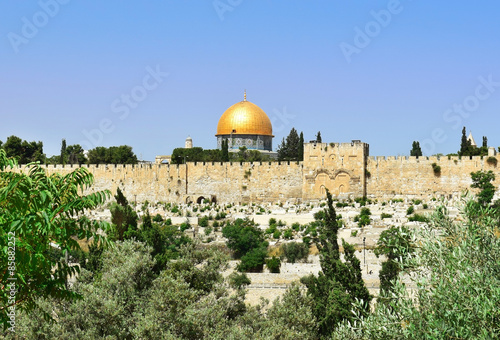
38,212
339,284
482,181
24,151
289,149
113,155
456,271
415,149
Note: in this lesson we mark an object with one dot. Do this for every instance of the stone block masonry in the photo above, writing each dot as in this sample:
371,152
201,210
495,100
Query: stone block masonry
345,169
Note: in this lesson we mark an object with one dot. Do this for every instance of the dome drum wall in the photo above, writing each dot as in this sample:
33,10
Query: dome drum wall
251,142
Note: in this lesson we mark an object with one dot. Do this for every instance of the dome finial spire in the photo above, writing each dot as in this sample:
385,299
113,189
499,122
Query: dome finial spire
245,95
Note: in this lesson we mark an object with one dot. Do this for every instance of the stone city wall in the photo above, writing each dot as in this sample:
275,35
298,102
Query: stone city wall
344,169
221,182
412,176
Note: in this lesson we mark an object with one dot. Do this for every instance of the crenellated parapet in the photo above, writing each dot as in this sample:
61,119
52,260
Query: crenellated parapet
345,169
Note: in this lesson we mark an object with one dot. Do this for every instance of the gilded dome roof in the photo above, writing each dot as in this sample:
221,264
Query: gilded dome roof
244,118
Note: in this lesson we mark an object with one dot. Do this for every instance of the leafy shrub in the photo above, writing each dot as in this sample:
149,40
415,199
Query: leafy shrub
272,221
238,280
242,236
288,234
425,206
295,251
185,226
157,218
203,222
436,168
492,161
363,220
385,215
365,212
296,226
277,234
208,230
253,261
220,215
410,210
273,264
362,200
354,233
418,218
307,241
272,228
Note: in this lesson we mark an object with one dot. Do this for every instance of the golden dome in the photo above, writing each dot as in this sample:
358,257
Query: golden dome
244,118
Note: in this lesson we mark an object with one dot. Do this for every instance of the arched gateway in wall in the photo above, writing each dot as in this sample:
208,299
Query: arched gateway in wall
337,182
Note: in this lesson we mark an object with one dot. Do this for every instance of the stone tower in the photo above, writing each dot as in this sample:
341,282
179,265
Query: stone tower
189,143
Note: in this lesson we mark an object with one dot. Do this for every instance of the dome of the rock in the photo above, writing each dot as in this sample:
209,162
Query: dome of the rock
245,124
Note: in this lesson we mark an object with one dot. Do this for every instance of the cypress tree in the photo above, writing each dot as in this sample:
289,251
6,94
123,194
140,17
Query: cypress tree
62,158
338,284
318,137
301,147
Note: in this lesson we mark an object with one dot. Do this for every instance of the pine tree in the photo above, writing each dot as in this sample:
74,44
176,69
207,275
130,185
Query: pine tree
338,284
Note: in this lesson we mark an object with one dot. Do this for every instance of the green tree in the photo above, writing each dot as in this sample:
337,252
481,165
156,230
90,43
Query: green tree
301,147
288,150
295,251
38,212
113,155
482,181
75,154
318,137
338,284
467,149
63,157
242,236
196,154
455,268
485,142
416,150
25,152
225,150
290,317
123,217
396,244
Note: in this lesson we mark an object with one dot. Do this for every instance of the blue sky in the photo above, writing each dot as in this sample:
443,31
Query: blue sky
385,72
